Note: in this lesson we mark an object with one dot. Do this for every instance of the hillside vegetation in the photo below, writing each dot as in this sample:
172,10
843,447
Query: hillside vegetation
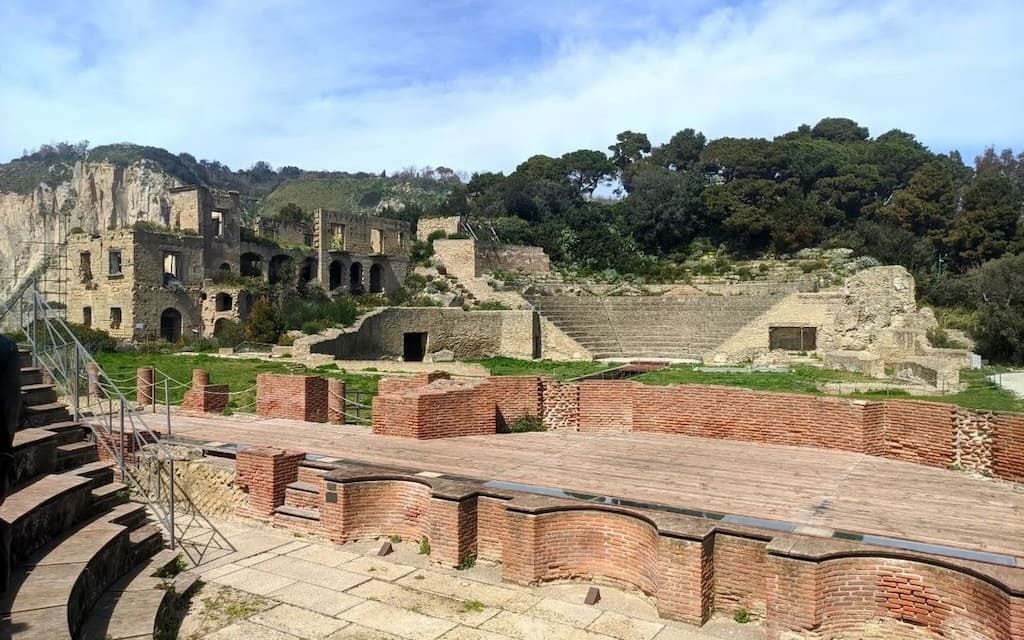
689,202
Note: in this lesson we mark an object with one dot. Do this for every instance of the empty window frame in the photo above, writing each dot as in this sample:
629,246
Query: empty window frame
217,224
115,317
114,262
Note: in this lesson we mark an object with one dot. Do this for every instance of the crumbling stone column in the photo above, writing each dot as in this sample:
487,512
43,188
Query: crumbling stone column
264,473
335,401
93,371
145,387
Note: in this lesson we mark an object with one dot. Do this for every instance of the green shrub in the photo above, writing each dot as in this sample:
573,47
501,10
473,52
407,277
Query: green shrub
467,563
286,340
323,313
94,340
742,616
421,252
264,324
940,339
527,424
229,333
437,234
424,546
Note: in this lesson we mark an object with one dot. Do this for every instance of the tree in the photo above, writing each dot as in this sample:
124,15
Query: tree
666,209
586,169
261,172
987,226
264,324
927,205
681,152
629,148
293,213
839,130
1000,289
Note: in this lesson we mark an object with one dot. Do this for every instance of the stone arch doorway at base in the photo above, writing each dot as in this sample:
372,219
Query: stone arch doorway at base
334,275
355,278
376,279
170,325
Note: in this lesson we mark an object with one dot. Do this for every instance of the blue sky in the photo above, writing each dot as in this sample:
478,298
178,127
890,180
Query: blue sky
479,85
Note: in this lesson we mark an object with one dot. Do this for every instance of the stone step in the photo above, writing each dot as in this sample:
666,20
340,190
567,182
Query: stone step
40,415
99,473
25,358
303,495
138,605
69,431
50,594
31,375
38,511
76,454
39,393
35,453
108,496
146,541
298,518
295,512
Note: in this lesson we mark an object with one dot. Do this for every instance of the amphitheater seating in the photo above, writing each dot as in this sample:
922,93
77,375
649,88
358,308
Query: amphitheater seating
651,326
87,563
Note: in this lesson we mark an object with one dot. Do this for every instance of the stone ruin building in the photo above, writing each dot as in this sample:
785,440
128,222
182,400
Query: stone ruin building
181,277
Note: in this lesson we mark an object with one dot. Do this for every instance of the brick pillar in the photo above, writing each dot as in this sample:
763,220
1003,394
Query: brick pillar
518,554
335,401
1017,618
93,371
264,473
332,511
452,530
145,387
685,579
200,378
792,598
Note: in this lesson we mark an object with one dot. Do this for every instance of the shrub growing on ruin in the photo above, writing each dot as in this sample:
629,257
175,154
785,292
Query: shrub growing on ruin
94,340
264,324
526,424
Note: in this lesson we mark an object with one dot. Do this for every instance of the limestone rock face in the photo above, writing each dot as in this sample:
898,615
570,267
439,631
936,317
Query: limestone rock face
98,195
874,300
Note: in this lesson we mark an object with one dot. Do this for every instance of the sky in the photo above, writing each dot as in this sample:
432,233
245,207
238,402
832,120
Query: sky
479,85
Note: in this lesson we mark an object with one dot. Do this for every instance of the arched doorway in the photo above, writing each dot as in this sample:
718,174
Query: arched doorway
170,325
281,268
376,279
225,267
308,271
355,278
251,265
334,275
218,327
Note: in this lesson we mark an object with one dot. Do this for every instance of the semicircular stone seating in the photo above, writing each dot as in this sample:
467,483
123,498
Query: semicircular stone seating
87,564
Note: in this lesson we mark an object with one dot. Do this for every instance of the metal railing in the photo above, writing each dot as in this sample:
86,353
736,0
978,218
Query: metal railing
118,426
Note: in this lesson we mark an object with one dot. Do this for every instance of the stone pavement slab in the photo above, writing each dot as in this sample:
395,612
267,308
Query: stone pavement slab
623,627
246,630
467,612
315,598
525,627
311,572
577,615
254,581
400,622
299,622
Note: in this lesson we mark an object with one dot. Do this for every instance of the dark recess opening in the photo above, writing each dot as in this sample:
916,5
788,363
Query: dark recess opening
414,346
793,338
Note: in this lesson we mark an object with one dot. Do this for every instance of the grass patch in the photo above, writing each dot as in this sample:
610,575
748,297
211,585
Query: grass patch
467,563
800,379
238,373
981,393
472,606
500,366
742,616
424,546
527,424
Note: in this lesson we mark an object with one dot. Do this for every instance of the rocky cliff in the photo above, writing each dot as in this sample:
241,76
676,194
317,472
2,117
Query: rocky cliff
96,195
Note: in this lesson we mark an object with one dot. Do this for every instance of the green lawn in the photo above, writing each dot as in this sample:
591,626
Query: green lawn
239,374
800,379
981,393
553,368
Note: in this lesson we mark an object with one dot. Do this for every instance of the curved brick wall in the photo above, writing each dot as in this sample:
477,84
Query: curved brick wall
384,507
596,545
918,597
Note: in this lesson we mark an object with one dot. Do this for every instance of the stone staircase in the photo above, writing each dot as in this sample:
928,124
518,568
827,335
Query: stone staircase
302,499
87,563
684,328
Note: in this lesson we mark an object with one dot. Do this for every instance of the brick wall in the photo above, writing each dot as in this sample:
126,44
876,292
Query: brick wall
371,508
919,432
442,409
264,473
203,397
560,405
293,397
1008,447
740,574
514,397
949,604
490,527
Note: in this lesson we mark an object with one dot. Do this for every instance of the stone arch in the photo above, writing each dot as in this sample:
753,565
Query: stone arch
222,301
251,265
280,266
225,267
355,277
376,278
334,275
170,325
218,326
308,271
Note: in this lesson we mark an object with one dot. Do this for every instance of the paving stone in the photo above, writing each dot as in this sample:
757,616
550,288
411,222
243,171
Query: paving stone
577,615
377,568
425,602
509,598
315,598
294,545
623,627
248,631
628,603
359,632
299,622
254,581
469,633
525,627
311,572
323,554
216,572
400,622
255,559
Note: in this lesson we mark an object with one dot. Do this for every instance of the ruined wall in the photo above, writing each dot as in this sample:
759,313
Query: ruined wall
510,257
450,225
467,334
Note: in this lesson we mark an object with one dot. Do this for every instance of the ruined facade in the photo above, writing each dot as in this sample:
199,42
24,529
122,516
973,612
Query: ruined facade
180,277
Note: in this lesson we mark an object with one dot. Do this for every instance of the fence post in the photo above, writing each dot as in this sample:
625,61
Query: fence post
167,403
171,510
121,457
77,383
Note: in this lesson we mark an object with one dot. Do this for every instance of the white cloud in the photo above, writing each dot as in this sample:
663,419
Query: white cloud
242,82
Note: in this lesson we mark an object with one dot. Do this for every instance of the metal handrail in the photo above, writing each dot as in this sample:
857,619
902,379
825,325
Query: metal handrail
116,425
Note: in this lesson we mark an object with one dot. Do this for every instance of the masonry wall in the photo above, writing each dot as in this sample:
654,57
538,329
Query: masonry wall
510,257
292,397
